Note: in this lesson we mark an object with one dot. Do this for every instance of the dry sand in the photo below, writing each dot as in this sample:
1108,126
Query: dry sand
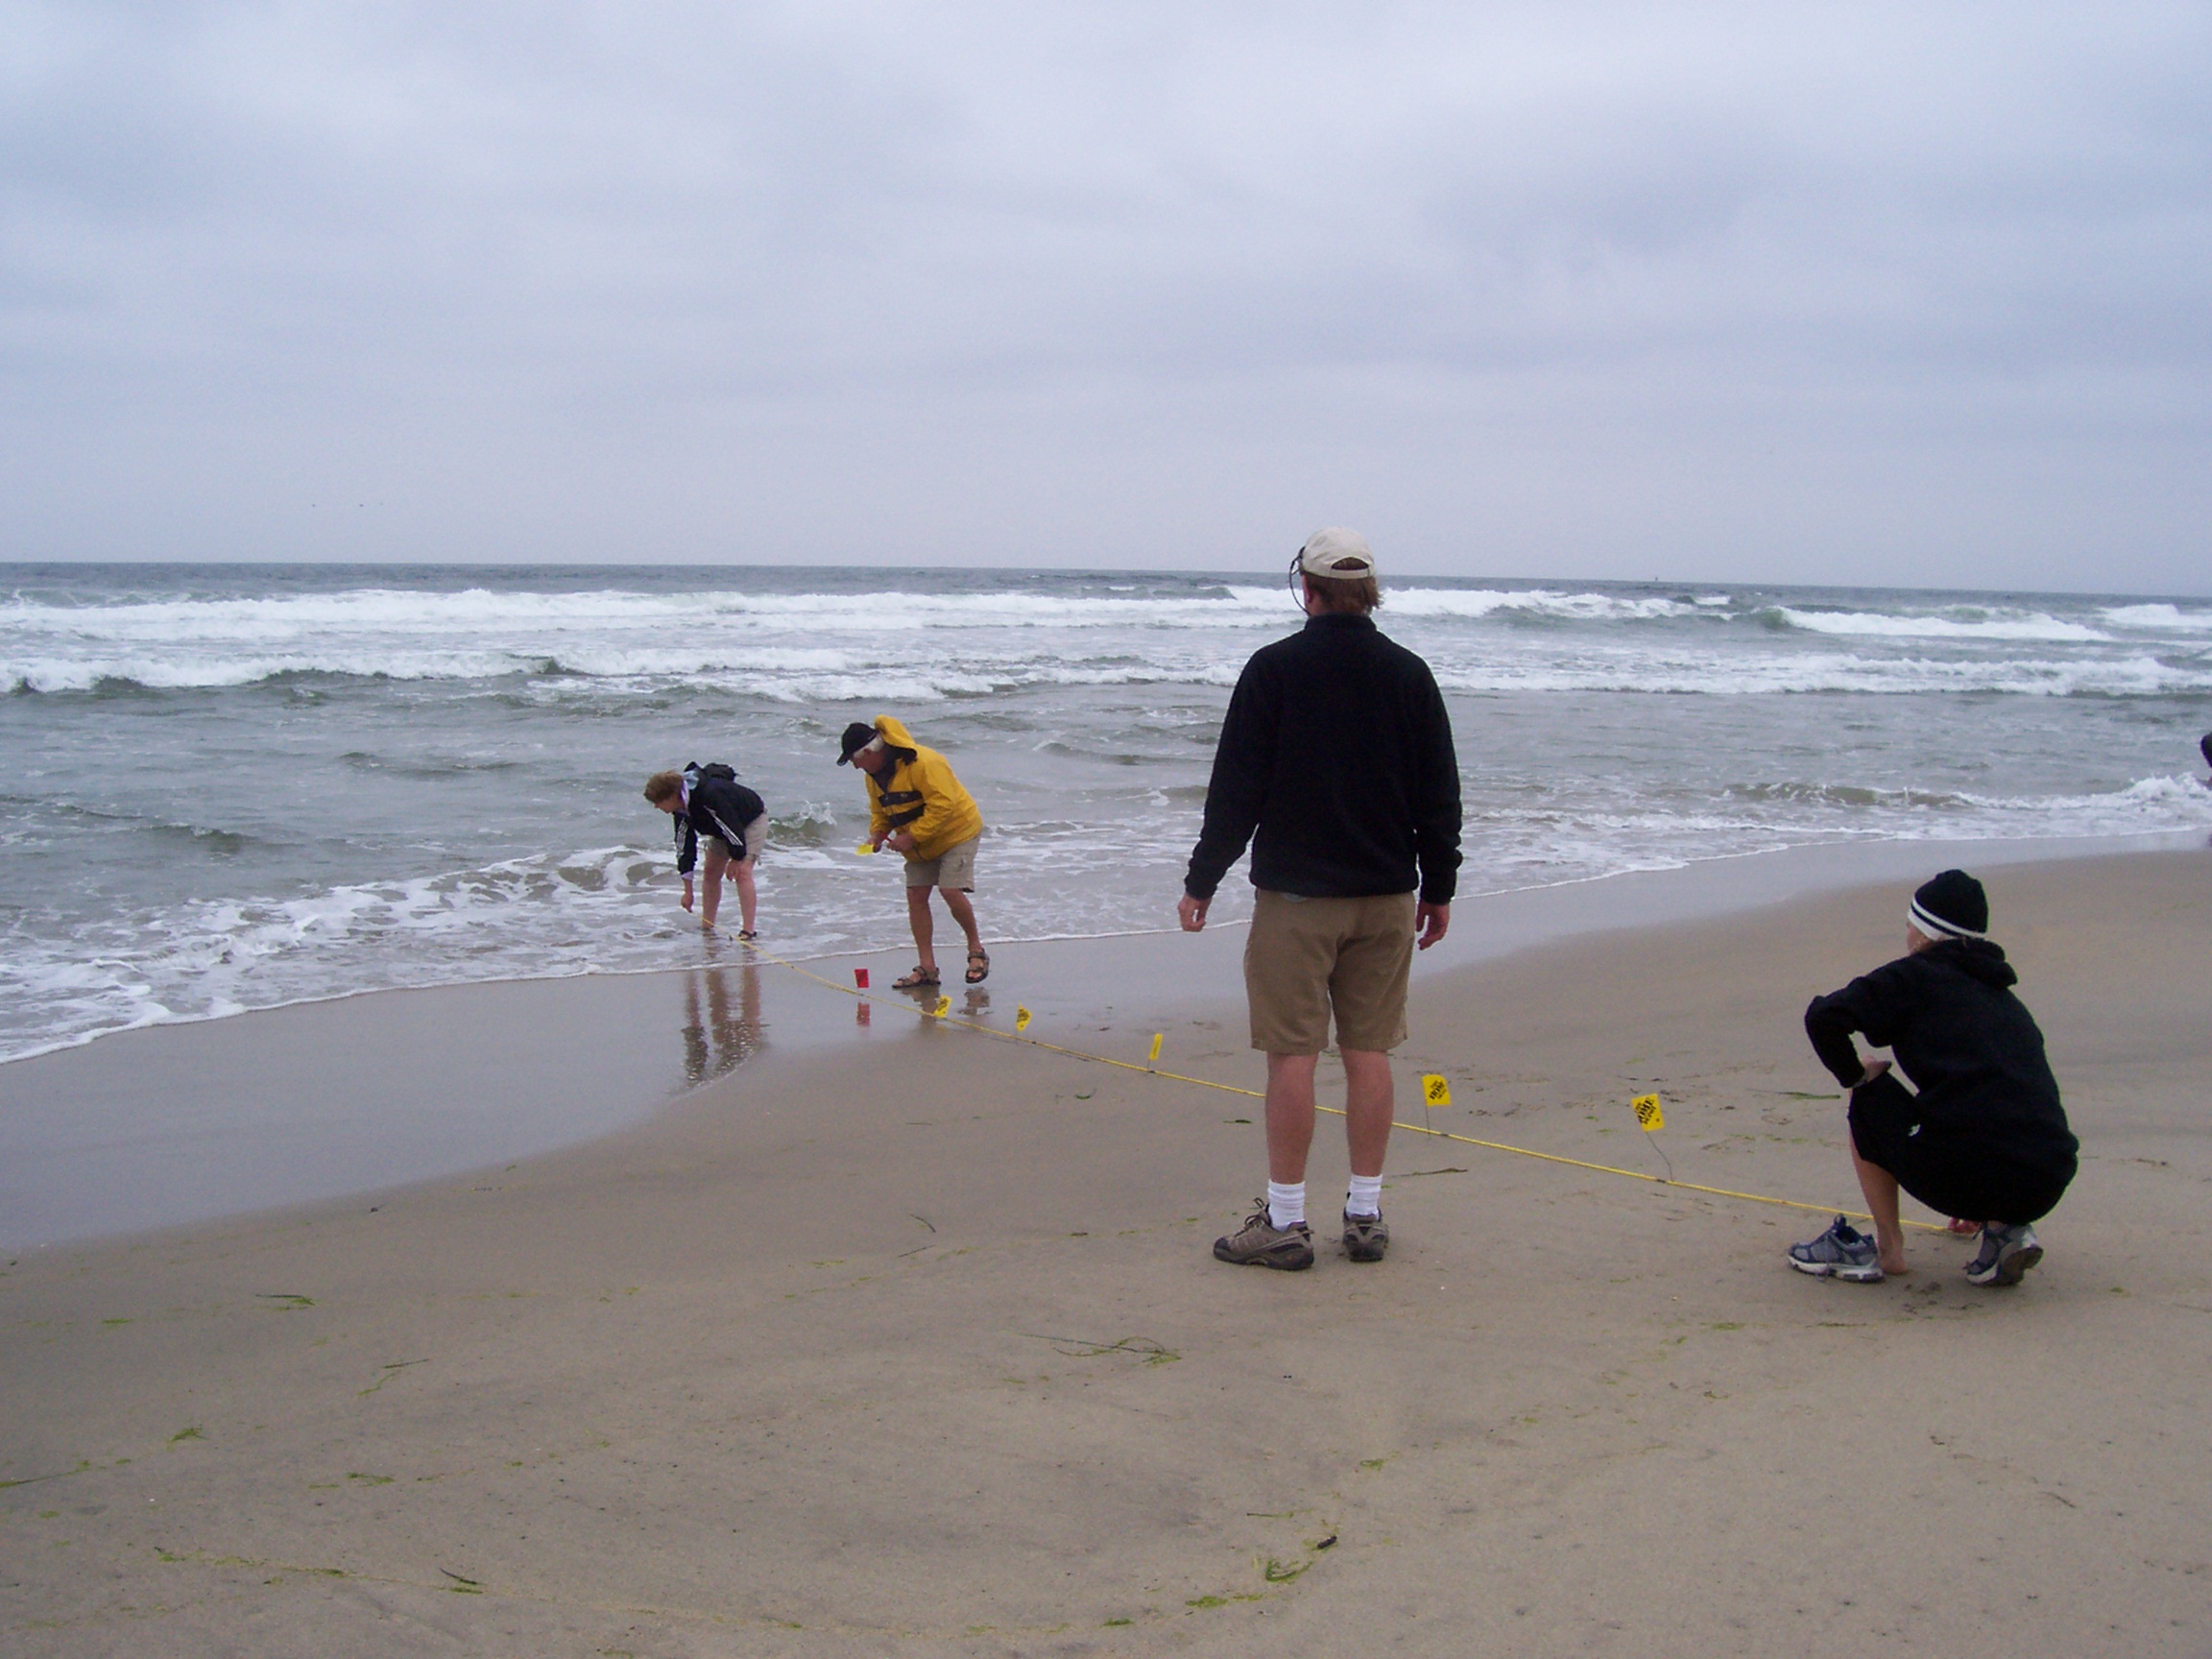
916,1347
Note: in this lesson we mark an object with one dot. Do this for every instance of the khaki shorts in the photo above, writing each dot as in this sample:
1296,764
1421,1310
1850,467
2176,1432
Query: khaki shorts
1306,957
755,835
955,867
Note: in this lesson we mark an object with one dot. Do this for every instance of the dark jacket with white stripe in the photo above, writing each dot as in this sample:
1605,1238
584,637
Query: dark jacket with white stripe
714,805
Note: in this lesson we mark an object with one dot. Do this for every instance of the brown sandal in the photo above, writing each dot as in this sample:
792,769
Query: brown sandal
921,979
976,975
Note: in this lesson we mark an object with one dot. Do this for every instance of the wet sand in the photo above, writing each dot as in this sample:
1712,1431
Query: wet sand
912,1344
179,1123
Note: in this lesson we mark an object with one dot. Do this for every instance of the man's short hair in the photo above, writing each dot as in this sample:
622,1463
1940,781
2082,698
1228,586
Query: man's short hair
663,784
1359,595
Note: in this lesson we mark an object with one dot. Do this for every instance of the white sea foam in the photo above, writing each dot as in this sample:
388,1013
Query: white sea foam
476,614
2160,618
1536,602
1749,676
833,675
1907,626
807,646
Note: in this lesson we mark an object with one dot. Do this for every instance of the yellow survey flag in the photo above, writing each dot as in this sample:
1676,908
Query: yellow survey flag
943,1008
1158,1037
1021,1018
865,848
1649,1117
1434,1091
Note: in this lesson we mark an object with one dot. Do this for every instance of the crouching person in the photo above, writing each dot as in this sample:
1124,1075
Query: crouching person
1982,1133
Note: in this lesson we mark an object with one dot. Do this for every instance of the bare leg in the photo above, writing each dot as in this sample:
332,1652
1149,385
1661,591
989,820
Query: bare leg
1289,1116
1367,1102
1880,1190
925,926
748,900
964,913
713,863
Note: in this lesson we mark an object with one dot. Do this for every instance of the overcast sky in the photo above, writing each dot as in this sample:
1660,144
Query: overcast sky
1869,294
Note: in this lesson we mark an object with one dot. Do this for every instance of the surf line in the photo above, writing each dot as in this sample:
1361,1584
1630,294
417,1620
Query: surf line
972,1024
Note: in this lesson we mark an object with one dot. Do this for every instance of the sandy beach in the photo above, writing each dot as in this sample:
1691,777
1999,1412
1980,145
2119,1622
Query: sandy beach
904,1339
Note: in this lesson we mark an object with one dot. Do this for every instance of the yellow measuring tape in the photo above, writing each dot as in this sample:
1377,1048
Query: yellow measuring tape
940,1013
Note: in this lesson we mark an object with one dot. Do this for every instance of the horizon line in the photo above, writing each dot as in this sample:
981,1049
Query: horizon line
1208,574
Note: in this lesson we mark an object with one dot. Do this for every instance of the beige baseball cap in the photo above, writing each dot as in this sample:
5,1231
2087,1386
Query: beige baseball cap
1339,555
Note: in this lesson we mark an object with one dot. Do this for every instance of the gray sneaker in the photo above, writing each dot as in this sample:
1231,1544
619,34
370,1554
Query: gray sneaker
1365,1237
1842,1252
1261,1244
2006,1254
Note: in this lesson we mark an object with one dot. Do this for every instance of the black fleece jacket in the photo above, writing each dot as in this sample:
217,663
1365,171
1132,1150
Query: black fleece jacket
1335,763
1962,1039
714,806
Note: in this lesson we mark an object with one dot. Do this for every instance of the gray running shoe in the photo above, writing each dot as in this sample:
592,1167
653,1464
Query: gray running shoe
1365,1237
2007,1253
1842,1252
1261,1244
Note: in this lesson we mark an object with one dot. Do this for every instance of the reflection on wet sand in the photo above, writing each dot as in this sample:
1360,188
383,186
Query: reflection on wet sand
929,999
941,1001
717,1036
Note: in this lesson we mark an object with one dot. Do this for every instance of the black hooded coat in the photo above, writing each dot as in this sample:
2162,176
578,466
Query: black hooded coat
1965,1044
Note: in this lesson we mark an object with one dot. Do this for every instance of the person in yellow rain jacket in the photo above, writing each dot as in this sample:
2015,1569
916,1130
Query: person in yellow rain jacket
917,806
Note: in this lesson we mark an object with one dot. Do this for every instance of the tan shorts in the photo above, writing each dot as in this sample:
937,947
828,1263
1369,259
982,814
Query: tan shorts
955,867
756,837
1306,957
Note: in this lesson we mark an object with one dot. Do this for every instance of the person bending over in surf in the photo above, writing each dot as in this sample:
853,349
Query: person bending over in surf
708,804
1982,1133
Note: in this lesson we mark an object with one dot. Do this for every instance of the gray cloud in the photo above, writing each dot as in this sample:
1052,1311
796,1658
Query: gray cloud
1878,294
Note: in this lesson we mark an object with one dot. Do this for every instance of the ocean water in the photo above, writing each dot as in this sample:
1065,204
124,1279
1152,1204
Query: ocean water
227,787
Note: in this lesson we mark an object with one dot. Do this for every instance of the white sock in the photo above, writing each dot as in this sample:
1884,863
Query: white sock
1365,1197
1286,1203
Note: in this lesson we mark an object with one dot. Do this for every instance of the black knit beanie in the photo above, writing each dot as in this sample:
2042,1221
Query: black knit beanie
1952,906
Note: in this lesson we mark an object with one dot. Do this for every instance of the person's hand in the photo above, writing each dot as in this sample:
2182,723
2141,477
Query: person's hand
903,842
685,901
1874,1070
1431,921
1192,913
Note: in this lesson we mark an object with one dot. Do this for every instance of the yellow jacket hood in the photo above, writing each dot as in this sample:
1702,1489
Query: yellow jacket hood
920,795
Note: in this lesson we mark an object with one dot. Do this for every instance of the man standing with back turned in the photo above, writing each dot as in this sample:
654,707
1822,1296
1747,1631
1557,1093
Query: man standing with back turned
1335,763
